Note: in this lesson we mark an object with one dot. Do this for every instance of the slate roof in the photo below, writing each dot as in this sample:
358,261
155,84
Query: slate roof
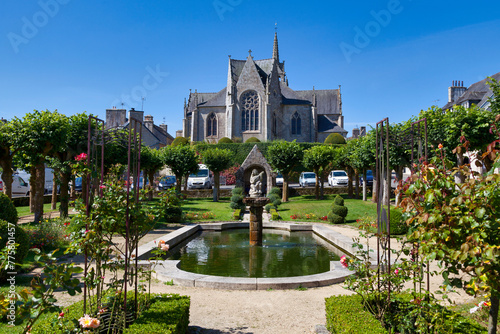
477,92
326,100
327,124
202,97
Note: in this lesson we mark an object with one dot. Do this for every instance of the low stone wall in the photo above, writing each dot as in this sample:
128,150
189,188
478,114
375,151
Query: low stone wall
25,201
206,193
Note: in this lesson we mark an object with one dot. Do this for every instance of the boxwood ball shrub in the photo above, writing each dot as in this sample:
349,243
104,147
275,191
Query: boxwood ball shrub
237,199
180,141
334,218
335,138
397,223
19,236
338,200
225,140
8,211
252,140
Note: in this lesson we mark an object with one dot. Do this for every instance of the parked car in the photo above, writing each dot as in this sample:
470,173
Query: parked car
200,180
307,179
49,178
369,178
20,188
338,178
279,180
78,184
167,182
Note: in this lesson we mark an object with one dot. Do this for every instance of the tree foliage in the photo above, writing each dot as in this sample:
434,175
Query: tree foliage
284,156
319,158
182,160
217,161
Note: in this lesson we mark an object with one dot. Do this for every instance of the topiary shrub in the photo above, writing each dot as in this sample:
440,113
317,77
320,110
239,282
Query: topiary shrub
9,235
237,199
8,211
398,225
338,200
335,138
275,191
180,141
334,218
172,205
252,140
225,140
275,215
339,210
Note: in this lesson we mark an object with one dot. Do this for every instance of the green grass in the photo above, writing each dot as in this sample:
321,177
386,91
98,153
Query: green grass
25,210
221,209
302,205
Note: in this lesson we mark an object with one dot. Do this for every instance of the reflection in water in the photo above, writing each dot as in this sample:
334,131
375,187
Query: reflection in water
283,254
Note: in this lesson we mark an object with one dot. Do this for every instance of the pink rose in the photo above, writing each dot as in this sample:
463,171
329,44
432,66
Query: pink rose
343,261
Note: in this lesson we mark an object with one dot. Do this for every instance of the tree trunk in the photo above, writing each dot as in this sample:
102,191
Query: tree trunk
493,313
365,181
375,189
64,196
39,185
284,196
178,184
216,186
356,178
33,189
322,186
7,177
151,176
73,185
186,182
55,182
350,191
316,186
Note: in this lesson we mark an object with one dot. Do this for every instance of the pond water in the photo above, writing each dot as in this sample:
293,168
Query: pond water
228,253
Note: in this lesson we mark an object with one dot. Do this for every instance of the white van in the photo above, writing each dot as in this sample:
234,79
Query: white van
49,178
200,180
20,188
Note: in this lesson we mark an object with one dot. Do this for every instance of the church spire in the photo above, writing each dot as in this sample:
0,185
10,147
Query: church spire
276,54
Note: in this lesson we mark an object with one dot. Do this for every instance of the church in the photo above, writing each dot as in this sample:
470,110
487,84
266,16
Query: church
258,102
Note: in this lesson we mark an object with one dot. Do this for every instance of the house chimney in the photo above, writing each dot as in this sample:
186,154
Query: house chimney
148,122
456,90
355,133
135,114
362,133
115,117
164,127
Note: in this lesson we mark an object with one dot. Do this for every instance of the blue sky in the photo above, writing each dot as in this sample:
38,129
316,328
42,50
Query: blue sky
392,58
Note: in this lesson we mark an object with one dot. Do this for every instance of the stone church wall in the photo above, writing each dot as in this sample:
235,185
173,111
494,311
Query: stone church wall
306,121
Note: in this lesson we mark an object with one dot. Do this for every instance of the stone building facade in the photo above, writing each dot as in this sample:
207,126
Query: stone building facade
258,102
478,93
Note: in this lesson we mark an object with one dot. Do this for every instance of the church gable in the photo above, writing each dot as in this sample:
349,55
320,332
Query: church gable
250,78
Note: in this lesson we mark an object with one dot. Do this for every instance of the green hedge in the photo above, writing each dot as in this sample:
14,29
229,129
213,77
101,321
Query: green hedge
168,313
241,150
8,211
275,215
346,314
237,214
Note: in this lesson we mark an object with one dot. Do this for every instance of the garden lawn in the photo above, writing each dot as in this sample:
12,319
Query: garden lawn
205,209
25,210
306,205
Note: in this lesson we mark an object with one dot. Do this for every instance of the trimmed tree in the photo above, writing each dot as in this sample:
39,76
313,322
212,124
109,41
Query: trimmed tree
318,158
284,156
217,161
39,134
6,155
151,162
335,138
182,160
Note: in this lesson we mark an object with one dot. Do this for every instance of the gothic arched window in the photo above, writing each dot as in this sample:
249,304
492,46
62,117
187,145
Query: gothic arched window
212,125
249,111
296,124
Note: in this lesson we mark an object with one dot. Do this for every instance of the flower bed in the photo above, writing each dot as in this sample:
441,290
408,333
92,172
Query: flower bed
167,313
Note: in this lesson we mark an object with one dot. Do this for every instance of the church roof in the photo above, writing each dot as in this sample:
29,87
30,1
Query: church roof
326,100
219,100
264,67
202,97
327,124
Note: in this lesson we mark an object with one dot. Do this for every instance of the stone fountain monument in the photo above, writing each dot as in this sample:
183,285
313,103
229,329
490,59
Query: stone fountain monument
256,203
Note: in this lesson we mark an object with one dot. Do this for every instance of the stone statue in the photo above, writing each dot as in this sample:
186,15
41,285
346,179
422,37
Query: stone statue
256,183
